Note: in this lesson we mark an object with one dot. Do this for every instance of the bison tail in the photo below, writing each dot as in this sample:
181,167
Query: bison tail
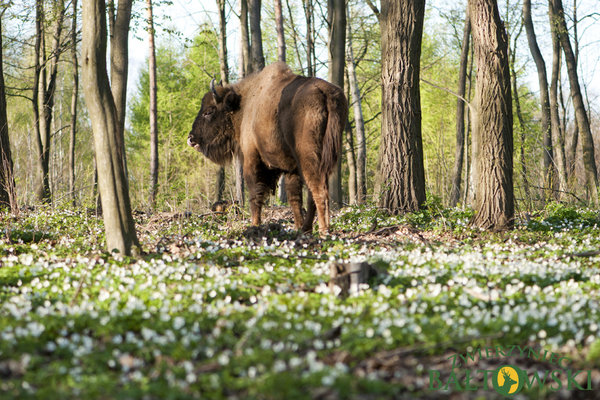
337,110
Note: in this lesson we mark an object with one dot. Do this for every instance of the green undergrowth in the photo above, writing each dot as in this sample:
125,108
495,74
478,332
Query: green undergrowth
216,309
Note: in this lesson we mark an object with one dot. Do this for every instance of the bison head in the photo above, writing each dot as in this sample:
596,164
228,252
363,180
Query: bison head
213,133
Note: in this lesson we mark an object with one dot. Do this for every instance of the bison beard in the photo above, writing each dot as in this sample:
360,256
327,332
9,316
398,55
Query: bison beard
279,122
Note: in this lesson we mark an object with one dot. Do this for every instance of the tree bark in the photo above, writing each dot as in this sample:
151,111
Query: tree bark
336,18
119,62
351,156
460,114
587,142
548,155
110,152
74,97
7,181
493,120
310,46
281,192
256,47
558,138
515,90
153,108
402,175
245,38
359,122
224,69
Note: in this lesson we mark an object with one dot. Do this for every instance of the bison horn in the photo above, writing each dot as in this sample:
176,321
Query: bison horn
214,91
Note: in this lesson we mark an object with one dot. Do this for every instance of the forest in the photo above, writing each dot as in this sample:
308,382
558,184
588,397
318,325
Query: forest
409,209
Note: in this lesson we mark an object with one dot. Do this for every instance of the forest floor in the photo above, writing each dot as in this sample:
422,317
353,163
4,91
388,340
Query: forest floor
214,309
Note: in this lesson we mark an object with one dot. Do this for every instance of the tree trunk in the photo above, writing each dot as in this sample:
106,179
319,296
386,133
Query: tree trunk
493,120
548,156
460,114
153,109
119,62
359,123
7,181
245,38
558,137
74,97
515,90
336,18
256,47
281,192
587,142
402,174
45,75
224,68
310,46
110,152
351,156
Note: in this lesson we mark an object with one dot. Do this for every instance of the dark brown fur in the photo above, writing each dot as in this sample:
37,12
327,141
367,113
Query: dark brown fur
280,123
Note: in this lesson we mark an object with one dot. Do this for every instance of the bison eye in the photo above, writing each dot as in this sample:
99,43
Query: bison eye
208,113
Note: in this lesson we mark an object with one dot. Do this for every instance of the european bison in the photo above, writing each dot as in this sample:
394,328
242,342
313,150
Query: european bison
279,122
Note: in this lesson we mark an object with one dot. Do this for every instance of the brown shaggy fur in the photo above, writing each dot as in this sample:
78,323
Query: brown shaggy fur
279,122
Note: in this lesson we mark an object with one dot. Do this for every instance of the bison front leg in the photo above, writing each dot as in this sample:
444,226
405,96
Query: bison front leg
293,187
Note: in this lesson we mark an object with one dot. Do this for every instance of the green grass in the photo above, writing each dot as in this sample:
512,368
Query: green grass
213,310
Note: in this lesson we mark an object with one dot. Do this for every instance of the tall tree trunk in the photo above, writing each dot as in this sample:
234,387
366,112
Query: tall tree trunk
119,62
45,75
402,174
548,155
153,109
295,35
359,122
7,181
224,69
281,191
74,97
245,39
110,152
351,156
587,142
494,199
558,138
310,45
336,19
256,47
515,89
460,114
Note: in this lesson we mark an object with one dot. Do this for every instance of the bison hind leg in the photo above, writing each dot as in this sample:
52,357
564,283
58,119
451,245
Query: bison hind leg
310,214
293,187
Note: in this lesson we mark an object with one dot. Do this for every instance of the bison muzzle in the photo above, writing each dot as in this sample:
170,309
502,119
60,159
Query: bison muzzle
278,123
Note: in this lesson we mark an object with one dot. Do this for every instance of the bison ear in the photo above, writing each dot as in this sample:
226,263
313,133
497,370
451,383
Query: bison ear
232,101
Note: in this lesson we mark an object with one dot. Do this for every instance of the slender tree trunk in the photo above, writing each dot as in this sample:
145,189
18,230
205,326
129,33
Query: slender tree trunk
460,114
245,38
402,174
310,46
295,35
119,62
153,108
336,18
359,122
515,90
74,97
224,69
548,155
256,48
587,142
110,152
281,191
351,156
555,125
494,200
7,181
